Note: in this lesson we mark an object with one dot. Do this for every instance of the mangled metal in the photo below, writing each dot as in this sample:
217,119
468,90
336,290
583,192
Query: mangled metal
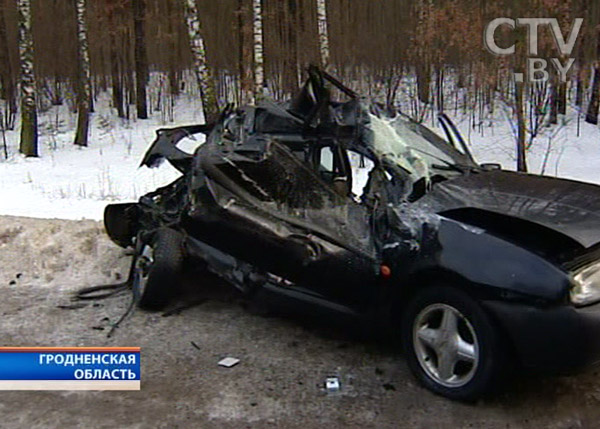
267,203
259,171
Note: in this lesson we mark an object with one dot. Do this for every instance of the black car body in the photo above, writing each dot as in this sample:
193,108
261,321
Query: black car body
474,265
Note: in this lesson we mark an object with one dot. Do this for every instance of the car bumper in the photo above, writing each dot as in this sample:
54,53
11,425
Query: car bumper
120,222
552,339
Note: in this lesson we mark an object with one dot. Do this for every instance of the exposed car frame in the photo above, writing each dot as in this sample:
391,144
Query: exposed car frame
475,267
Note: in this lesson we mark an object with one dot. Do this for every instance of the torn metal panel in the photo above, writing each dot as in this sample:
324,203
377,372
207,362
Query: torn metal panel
165,147
272,188
299,243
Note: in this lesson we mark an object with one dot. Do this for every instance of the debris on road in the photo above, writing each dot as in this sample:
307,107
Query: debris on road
228,362
332,384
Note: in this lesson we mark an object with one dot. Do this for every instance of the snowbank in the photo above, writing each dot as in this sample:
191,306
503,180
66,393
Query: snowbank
72,182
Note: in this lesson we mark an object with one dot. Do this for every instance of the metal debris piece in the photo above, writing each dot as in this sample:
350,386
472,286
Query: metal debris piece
332,384
228,362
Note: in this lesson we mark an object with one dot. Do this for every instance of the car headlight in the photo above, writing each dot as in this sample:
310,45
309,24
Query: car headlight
586,287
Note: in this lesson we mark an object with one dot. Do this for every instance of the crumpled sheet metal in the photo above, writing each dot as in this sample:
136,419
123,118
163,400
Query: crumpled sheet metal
571,208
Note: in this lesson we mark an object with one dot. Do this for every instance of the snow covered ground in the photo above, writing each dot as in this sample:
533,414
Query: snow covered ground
71,182
570,149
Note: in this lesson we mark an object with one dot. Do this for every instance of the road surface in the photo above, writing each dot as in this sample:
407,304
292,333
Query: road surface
283,362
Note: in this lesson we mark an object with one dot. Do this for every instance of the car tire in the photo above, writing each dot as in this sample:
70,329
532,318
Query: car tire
451,345
157,269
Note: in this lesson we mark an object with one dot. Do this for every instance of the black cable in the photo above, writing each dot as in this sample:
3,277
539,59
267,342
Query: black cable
107,291
93,292
123,316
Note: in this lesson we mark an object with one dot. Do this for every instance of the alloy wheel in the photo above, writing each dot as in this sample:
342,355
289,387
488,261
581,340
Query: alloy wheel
446,345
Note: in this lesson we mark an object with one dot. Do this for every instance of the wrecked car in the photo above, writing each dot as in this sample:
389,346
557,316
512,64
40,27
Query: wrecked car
349,208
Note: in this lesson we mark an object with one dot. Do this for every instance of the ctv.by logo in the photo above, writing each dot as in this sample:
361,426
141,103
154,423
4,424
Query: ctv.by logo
536,67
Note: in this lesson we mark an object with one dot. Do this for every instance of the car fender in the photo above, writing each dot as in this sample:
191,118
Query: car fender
486,260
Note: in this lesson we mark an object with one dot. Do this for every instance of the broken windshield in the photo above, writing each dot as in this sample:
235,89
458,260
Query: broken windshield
414,148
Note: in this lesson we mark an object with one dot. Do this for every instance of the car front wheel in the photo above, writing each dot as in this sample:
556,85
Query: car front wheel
452,346
157,269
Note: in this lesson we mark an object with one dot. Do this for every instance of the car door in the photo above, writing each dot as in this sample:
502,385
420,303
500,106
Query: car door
282,207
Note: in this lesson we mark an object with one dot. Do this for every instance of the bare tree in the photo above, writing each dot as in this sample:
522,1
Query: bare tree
84,80
6,73
423,64
423,39
323,32
141,57
3,131
204,76
113,10
592,111
594,106
521,127
245,53
288,11
259,68
172,43
29,132
554,102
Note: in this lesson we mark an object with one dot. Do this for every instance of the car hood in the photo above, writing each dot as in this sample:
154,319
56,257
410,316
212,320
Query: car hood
569,207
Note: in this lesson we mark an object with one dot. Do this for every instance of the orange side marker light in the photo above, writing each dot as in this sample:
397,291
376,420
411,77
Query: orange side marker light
385,271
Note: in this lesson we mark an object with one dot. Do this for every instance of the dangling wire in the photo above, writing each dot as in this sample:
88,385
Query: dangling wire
107,291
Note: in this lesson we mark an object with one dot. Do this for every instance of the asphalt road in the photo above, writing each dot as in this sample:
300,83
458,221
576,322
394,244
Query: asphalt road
284,361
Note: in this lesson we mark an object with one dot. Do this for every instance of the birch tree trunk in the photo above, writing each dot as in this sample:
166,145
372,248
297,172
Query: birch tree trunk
83,84
259,67
29,133
206,82
141,57
323,32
